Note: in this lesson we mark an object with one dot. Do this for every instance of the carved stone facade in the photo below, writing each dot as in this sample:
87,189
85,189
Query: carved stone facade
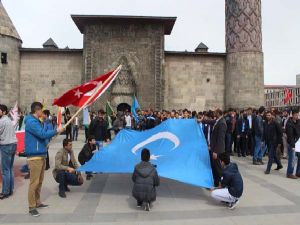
243,25
139,48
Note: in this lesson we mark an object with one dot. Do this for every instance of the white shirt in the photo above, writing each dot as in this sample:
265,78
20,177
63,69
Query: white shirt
128,120
76,121
250,121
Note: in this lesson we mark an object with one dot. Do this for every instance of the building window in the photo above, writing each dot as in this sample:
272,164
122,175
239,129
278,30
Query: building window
3,58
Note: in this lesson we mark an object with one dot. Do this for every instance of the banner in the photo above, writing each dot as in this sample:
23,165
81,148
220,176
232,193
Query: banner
177,147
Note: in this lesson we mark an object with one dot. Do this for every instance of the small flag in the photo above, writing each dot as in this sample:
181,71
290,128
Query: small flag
287,95
15,116
109,113
59,116
134,107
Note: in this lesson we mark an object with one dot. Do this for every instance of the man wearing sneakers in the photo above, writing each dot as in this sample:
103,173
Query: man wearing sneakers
231,188
36,140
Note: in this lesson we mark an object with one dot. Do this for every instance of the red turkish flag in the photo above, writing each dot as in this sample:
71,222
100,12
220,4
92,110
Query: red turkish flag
79,95
287,95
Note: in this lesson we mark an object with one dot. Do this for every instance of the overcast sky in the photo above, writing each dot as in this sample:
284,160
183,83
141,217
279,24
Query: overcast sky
197,21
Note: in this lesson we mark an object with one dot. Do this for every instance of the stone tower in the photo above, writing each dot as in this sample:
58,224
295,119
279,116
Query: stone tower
10,42
244,62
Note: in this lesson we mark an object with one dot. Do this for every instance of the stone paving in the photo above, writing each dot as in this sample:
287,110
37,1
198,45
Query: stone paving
106,199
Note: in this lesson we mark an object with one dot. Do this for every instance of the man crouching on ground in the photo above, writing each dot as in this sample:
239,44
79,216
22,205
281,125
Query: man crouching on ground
231,183
64,171
145,180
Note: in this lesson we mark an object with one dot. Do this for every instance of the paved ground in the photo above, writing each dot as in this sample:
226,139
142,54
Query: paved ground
106,199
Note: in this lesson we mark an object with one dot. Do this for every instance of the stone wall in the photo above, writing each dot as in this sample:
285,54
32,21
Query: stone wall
10,72
39,69
194,81
139,47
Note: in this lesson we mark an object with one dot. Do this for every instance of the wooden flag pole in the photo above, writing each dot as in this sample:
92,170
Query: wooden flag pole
87,102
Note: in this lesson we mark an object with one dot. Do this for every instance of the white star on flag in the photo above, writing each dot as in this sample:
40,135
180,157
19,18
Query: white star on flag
78,93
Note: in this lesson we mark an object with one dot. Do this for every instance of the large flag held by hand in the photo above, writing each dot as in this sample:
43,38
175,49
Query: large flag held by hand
177,154
82,94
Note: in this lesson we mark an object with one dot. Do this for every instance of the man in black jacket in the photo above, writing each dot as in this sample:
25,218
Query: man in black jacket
87,153
231,188
272,138
98,128
145,180
242,129
217,145
293,134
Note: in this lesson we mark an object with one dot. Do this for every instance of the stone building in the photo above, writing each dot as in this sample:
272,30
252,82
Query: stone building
160,79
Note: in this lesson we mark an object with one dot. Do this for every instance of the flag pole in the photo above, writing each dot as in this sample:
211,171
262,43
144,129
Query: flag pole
87,102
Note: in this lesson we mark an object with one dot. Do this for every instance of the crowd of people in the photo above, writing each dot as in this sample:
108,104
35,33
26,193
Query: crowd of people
243,133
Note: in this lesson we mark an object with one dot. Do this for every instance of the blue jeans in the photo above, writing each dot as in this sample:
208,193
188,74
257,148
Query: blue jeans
65,178
7,160
272,157
298,164
99,144
291,161
258,151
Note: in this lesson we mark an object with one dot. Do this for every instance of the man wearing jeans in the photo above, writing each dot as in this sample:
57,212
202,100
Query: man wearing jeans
259,130
293,134
36,140
64,172
8,148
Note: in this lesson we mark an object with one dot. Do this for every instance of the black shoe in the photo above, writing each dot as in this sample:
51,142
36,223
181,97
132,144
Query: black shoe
11,193
88,177
34,212
67,189
255,162
4,196
42,206
267,172
62,194
239,155
233,205
279,167
244,155
147,206
260,162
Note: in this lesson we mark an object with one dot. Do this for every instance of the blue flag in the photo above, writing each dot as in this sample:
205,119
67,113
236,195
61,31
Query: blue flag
134,107
177,147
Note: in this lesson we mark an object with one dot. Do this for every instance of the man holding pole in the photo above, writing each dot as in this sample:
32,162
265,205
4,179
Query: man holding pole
36,151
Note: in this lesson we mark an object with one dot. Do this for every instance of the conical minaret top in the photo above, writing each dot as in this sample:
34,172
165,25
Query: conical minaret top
6,26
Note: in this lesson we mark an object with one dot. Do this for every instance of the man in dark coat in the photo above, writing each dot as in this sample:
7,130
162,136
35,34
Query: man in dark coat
293,135
242,129
87,153
98,128
145,180
272,138
217,145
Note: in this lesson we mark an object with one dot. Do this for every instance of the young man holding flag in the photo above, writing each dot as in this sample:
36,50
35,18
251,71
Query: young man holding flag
36,151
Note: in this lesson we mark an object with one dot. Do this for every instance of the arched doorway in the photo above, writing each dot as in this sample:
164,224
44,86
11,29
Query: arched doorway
124,107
